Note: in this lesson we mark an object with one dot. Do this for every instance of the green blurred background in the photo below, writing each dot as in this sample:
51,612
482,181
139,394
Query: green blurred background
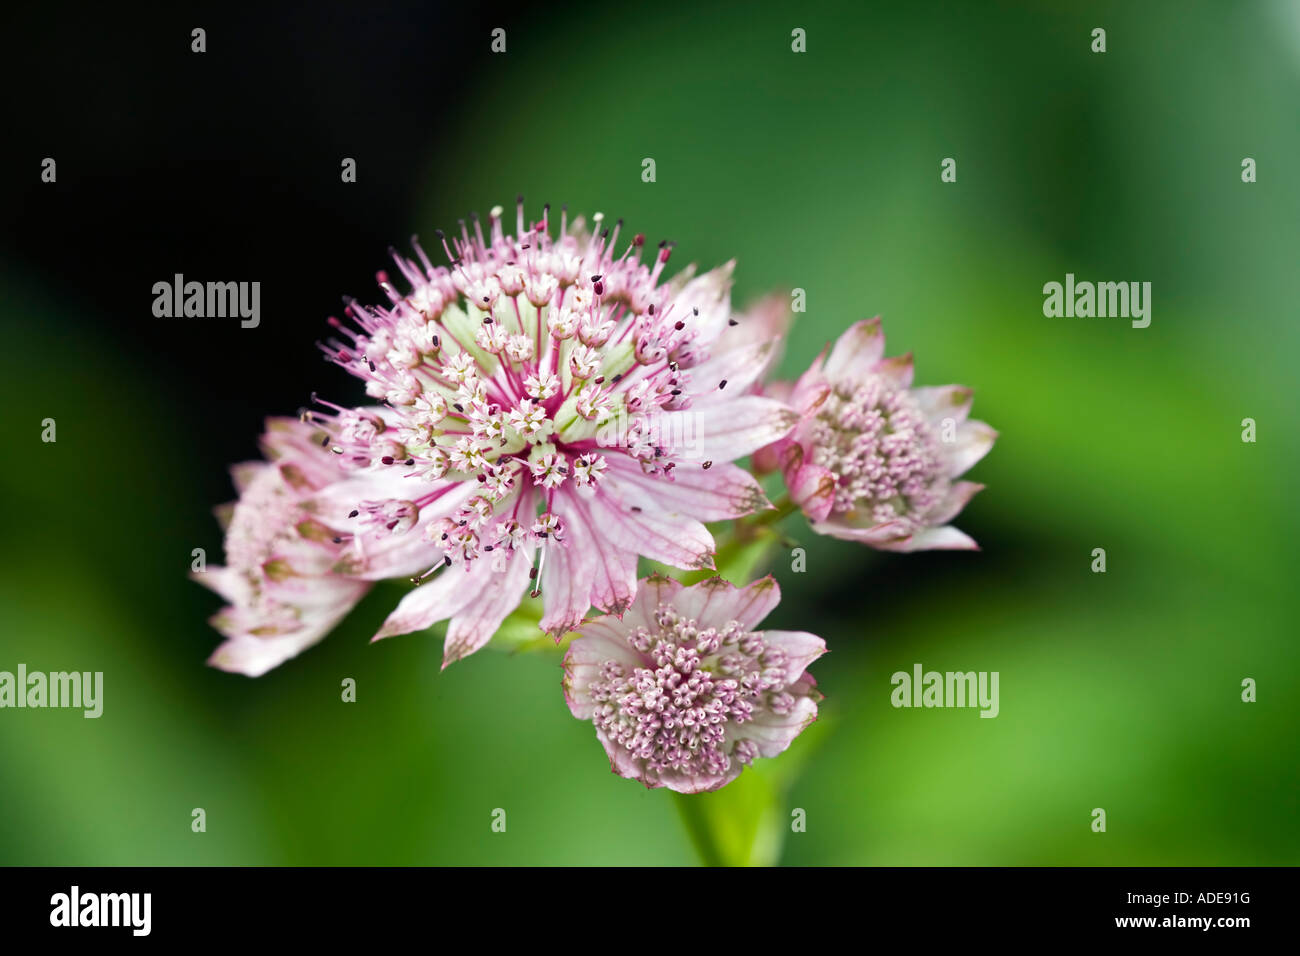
819,171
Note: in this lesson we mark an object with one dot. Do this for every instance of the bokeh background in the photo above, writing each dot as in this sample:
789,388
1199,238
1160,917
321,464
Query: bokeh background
817,170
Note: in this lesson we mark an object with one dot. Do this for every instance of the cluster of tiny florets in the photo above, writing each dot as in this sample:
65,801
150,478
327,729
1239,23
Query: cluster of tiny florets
681,710
500,369
883,450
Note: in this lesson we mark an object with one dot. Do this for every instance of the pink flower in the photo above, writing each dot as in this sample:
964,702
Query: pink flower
280,581
873,459
550,411
761,332
684,691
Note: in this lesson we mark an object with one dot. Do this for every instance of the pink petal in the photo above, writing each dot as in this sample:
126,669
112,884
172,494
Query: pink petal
495,599
714,602
450,591
801,648
782,391
396,556
812,488
767,320
226,582
653,591
974,439
813,377
856,351
254,655
721,492
958,495
944,401
740,368
809,392
729,430
897,371
773,732
613,581
946,538
601,640
245,473
710,294
768,458
702,783
295,443
877,536
661,536
620,761
567,574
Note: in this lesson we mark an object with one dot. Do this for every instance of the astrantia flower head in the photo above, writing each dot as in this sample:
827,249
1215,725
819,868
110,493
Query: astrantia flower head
547,410
684,691
280,580
873,459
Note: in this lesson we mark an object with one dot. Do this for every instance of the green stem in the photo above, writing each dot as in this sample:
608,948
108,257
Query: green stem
782,508
748,544
699,828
